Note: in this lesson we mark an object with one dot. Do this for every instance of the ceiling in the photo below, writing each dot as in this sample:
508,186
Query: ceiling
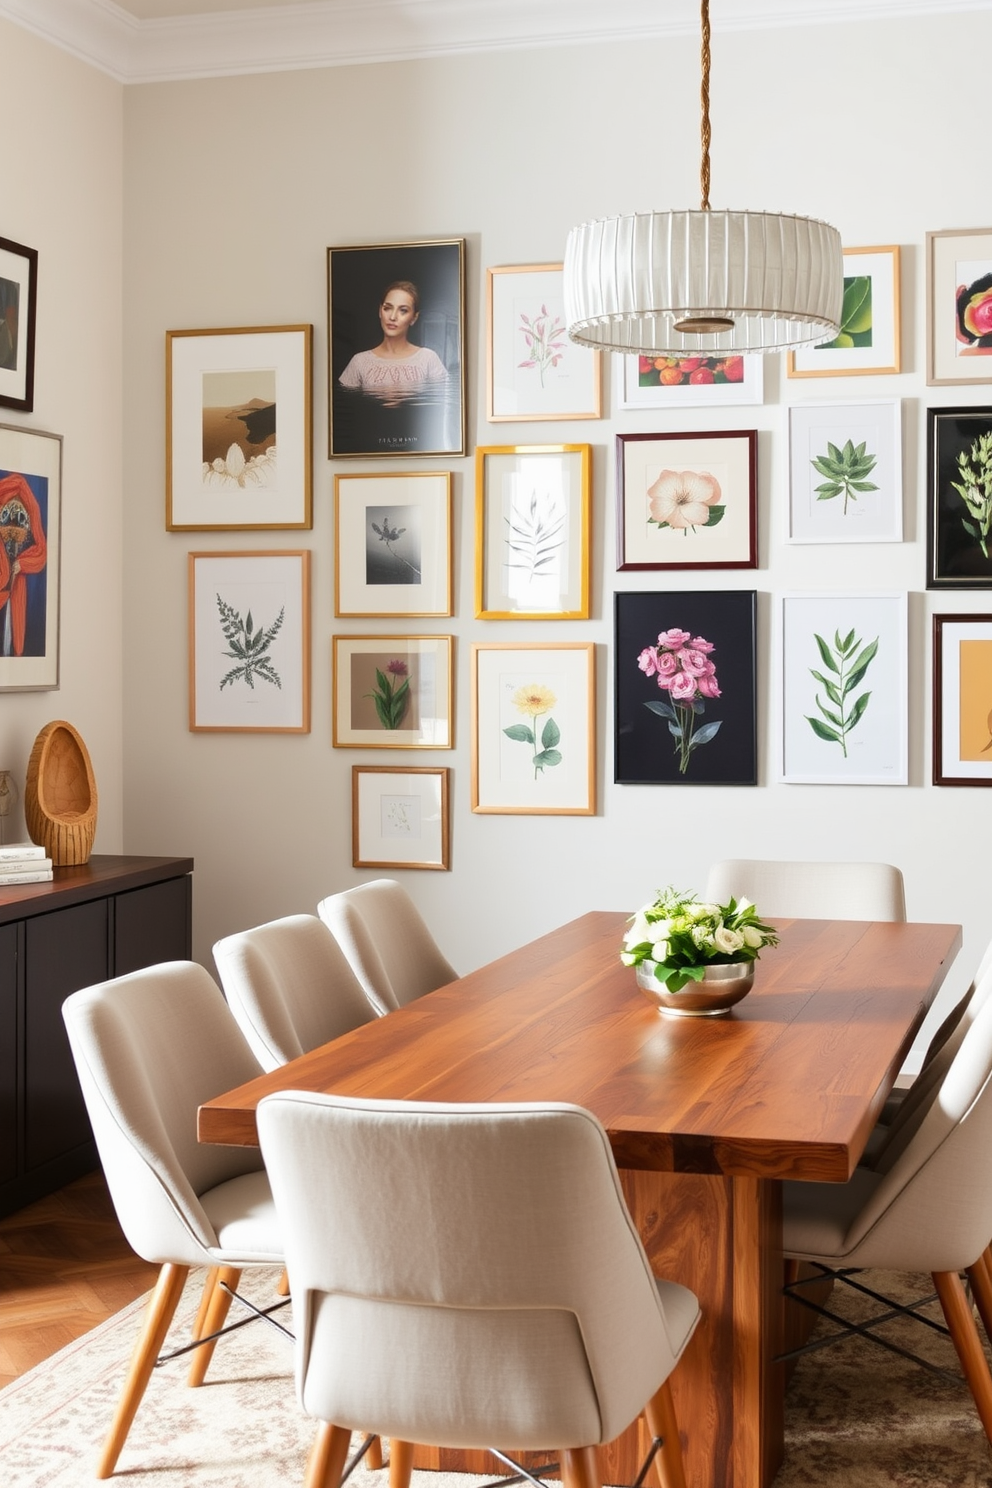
139,41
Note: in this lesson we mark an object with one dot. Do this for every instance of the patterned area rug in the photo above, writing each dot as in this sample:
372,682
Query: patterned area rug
855,1417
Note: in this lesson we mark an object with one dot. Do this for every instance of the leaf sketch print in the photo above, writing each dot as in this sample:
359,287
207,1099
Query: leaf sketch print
249,647
546,340
535,700
845,470
847,666
535,535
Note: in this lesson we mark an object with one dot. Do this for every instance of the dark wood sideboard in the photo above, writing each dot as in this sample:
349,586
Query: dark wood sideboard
113,915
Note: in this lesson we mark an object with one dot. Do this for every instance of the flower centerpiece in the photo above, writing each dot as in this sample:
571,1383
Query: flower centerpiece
680,936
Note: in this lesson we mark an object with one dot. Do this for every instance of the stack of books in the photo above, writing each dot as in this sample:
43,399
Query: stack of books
24,862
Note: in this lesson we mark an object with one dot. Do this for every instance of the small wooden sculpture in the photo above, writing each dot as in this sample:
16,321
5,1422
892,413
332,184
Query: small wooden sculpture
60,799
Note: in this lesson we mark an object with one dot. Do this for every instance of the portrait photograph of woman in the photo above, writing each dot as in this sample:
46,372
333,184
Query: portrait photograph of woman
395,348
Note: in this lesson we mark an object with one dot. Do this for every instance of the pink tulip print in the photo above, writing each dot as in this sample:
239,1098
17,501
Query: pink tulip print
683,670
546,340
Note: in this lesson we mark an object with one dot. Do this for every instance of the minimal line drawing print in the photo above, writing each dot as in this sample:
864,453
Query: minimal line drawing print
535,700
535,535
545,339
845,470
848,666
249,647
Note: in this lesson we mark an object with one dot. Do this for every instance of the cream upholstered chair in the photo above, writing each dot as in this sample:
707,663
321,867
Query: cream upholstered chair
290,987
489,1287
929,1207
149,1048
385,939
813,891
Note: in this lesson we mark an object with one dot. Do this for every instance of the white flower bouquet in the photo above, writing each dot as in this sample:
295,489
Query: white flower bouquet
683,936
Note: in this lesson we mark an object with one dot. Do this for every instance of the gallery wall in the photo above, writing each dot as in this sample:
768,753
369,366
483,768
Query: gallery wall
234,188
62,186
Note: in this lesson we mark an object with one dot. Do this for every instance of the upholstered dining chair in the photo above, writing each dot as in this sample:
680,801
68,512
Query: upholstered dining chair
808,890
289,985
149,1048
435,1315
927,1208
391,950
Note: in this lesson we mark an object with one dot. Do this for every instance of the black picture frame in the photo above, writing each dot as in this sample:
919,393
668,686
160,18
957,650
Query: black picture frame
646,751
425,415
955,559
18,309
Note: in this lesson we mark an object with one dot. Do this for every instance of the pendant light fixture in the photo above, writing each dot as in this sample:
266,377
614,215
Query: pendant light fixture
680,283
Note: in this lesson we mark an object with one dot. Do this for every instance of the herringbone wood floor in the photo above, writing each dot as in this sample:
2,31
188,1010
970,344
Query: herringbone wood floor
64,1267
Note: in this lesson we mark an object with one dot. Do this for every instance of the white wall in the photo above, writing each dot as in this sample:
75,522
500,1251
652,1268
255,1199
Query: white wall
62,183
233,190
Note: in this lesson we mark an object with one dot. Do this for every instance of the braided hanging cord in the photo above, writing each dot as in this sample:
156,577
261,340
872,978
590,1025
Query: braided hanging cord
704,98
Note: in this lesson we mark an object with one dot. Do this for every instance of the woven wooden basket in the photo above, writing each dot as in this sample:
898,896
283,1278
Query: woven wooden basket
60,800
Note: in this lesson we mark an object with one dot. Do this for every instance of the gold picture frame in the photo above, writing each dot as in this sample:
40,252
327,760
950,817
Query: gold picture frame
533,371
534,728
393,692
400,818
532,531
392,544
249,662
874,349
238,429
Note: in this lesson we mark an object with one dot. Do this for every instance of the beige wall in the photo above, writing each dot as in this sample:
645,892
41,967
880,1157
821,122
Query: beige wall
62,184
232,190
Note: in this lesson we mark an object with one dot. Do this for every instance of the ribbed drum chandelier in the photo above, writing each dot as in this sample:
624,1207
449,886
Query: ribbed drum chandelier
679,283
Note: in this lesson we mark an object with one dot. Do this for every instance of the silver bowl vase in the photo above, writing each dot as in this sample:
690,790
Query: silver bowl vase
720,989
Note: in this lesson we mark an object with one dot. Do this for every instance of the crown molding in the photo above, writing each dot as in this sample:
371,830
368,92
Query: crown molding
340,33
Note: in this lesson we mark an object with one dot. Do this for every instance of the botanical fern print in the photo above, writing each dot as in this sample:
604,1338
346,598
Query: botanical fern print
535,535
249,647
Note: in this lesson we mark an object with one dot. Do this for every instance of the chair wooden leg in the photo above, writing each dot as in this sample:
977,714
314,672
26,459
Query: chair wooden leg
660,1415
373,1457
327,1456
964,1335
211,1316
792,1272
580,1468
158,1315
400,1463
282,1286
981,1289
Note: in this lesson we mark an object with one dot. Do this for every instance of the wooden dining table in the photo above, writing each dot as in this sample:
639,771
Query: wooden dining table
706,1117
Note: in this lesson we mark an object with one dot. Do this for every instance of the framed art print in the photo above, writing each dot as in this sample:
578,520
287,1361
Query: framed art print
844,692
30,546
249,642
684,706
532,517
533,370
393,692
533,728
18,309
688,382
396,353
962,699
399,818
392,551
238,436
868,341
959,306
845,466
687,500
959,498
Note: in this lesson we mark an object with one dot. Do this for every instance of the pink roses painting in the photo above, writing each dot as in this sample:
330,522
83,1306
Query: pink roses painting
681,665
